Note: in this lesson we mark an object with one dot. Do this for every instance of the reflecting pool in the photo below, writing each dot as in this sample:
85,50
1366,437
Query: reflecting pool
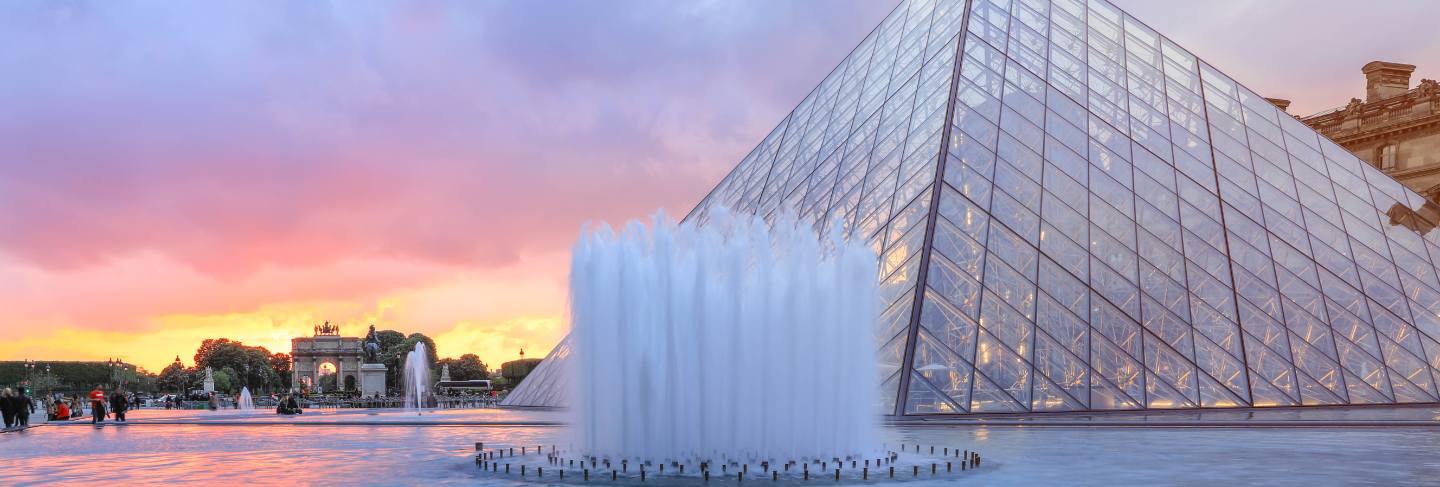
359,447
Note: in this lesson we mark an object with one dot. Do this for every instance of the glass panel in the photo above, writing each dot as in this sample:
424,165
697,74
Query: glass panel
942,369
1097,176
949,324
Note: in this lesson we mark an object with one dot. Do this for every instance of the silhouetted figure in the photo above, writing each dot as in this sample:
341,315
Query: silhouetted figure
119,404
7,407
23,407
97,405
289,406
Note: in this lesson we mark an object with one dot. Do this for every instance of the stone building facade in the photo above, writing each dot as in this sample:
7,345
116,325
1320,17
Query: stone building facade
1396,127
309,354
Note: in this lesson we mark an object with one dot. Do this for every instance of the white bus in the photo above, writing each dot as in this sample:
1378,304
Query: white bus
447,387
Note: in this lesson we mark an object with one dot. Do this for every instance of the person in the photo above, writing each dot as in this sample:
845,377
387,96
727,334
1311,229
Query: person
23,407
119,404
288,406
214,402
97,405
62,411
7,407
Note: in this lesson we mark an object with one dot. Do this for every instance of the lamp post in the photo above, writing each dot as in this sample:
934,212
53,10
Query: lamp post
180,379
49,380
29,371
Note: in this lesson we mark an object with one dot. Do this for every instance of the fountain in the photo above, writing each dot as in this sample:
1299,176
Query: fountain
417,378
246,403
739,342
739,349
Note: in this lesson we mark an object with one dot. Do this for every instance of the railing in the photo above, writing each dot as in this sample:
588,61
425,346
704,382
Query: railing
451,402
264,402
1376,120
1325,112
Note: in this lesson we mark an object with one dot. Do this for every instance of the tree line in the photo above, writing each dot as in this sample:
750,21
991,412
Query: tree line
236,365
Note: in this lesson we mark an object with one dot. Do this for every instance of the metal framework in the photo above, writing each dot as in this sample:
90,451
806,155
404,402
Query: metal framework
1073,213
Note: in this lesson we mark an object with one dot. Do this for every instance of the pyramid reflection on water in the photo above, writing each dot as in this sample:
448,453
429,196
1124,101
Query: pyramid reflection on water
1075,213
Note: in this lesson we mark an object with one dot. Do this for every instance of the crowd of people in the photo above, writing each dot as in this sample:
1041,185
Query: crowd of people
16,407
62,408
98,405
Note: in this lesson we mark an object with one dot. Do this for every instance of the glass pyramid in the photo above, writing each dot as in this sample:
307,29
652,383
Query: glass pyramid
547,385
1074,213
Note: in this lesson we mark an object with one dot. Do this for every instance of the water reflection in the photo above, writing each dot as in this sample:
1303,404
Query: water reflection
323,449
1421,221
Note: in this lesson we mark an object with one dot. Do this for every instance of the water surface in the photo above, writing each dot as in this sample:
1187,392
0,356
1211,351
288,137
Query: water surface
327,447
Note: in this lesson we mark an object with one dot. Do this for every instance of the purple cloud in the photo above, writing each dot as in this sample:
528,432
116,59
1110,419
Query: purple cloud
235,135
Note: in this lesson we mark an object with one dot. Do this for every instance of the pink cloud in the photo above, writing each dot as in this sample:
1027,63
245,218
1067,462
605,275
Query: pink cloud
230,139
1307,51
160,160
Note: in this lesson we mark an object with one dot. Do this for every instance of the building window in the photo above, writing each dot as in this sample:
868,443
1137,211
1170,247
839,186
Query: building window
1385,157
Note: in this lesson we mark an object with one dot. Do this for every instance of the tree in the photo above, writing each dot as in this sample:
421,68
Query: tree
145,382
467,367
176,378
394,356
225,380
208,346
44,382
127,376
431,355
516,370
280,364
327,383
389,338
250,366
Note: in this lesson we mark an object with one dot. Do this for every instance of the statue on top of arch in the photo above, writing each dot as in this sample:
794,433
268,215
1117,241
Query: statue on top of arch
327,329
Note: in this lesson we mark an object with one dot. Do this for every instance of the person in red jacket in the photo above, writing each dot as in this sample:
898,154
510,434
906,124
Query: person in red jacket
62,412
97,405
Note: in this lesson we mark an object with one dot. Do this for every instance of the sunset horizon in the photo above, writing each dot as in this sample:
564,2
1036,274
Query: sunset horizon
854,242
255,198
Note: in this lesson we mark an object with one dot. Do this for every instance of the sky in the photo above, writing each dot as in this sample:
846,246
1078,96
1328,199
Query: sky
174,172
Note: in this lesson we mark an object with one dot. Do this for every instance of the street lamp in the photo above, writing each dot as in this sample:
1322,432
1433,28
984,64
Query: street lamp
29,371
115,365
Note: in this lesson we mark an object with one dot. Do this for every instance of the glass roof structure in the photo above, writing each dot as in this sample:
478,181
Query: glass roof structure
1073,213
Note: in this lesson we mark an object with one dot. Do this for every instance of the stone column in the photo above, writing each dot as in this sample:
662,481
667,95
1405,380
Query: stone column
294,371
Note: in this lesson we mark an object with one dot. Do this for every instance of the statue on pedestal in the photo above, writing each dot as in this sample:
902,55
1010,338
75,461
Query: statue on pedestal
372,372
209,385
371,346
